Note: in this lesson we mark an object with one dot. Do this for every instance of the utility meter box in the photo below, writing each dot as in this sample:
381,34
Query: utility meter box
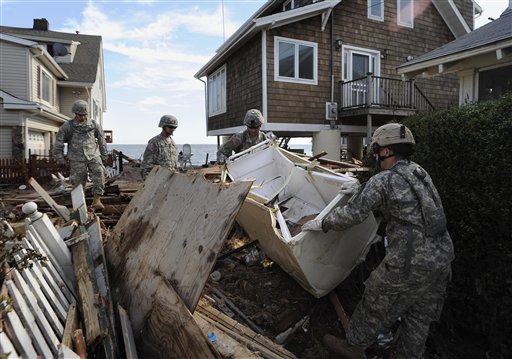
331,110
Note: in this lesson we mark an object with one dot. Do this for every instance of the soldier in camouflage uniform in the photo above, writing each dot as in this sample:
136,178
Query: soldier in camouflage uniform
87,150
410,282
161,150
243,140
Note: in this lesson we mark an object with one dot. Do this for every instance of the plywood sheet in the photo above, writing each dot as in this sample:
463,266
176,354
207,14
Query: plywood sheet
173,228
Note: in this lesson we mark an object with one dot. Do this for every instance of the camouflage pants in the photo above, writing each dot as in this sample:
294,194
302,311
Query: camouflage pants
80,169
417,299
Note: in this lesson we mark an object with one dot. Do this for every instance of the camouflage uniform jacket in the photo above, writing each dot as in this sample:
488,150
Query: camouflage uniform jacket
416,225
240,142
85,141
161,151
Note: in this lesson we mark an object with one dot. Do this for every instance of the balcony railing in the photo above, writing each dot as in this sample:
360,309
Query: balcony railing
376,91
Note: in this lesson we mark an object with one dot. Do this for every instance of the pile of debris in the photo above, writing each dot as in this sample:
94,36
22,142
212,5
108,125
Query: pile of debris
149,278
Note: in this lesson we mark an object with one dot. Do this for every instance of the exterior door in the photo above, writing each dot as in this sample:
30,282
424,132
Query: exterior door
357,64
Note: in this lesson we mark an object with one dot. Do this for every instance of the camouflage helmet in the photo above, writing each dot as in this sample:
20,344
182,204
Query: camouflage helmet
168,120
253,118
80,107
390,134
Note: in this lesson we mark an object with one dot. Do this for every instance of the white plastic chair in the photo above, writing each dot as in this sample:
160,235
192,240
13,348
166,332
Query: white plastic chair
187,155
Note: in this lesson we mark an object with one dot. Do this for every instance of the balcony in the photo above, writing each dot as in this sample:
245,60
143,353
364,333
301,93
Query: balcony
385,97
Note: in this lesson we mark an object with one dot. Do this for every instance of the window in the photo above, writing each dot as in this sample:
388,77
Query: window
295,61
46,87
376,9
288,5
217,92
405,13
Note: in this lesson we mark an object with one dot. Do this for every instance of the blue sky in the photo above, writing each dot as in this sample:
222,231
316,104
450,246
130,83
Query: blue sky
152,49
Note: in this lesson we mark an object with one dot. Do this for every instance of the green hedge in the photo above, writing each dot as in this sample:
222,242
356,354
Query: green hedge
468,153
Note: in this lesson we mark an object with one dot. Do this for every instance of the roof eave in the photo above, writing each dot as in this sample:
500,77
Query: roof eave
442,64
48,61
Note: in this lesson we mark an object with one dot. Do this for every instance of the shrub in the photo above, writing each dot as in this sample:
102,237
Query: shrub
468,153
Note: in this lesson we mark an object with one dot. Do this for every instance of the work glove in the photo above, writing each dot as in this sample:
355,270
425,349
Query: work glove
221,159
313,225
350,187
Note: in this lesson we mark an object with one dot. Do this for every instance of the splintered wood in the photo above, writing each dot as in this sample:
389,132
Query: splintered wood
171,232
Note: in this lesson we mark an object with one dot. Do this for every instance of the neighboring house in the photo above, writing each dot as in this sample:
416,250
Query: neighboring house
306,64
42,73
481,59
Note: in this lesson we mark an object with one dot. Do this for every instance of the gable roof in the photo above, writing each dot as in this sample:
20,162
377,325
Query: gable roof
85,63
257,23
493,36
261,20
452,17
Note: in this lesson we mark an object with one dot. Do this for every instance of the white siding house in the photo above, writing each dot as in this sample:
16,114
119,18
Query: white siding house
42,73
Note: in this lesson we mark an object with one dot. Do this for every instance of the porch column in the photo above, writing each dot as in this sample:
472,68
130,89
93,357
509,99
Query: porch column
328,141
354,147
368,128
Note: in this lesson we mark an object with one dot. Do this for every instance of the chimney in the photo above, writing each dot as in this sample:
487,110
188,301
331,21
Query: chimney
41,24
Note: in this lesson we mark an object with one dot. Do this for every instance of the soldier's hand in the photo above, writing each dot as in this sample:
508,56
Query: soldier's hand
313,225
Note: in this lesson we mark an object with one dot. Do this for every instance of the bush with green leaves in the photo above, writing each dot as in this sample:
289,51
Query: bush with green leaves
468,153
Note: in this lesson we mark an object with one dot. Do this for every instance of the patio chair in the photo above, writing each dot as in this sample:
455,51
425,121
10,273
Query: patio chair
186,156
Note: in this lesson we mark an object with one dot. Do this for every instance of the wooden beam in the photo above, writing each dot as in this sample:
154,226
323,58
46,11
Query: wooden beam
70,326
87,292
60,210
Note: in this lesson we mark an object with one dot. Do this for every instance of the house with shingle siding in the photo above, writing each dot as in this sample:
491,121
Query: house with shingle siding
42,73
482,61
327,69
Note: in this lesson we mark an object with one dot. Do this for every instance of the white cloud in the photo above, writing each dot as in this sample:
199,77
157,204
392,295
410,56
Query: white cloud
150,62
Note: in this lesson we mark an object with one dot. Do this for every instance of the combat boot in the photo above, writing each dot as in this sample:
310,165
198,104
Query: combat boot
96,203
343,348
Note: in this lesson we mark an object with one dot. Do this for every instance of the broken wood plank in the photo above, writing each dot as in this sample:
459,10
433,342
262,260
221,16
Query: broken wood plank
242,333
339,310
317,156
181,229
87,291
59,209
79,344
126,327
170,330
70,326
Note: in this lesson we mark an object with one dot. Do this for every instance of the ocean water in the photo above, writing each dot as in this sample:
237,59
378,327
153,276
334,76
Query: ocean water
199,151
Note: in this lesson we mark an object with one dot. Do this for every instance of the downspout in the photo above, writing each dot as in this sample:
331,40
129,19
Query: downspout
206,109
264,73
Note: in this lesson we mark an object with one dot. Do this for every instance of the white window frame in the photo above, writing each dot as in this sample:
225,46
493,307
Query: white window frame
45,75
217,92
399,19
370,6
295,79
346,64
290,3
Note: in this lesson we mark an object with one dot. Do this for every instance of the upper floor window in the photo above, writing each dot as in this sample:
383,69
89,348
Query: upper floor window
295,60
376,9
405,13
288,5
46,87
217,92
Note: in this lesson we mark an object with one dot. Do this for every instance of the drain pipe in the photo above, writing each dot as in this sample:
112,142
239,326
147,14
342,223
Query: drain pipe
206,108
